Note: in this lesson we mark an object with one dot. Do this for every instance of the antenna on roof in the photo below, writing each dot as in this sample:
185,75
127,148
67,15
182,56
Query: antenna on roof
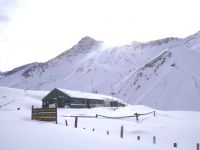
93,90
92,85
112,91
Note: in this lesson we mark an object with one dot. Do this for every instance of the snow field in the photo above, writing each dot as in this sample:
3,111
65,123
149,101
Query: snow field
19,132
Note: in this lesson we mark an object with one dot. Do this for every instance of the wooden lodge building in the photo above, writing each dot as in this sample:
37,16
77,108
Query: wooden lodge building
75,99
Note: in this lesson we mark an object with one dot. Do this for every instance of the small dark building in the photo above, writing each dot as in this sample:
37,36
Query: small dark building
75,99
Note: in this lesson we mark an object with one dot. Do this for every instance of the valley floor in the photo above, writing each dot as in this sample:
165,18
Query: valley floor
19,132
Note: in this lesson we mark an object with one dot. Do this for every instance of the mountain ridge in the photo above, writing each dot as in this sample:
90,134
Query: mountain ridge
91,66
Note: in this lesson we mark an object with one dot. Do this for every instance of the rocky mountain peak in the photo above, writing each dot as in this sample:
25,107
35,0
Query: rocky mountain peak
86,43
87,39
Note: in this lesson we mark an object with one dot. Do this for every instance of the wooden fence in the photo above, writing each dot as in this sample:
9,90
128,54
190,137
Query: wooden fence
136,115
139,138
44,114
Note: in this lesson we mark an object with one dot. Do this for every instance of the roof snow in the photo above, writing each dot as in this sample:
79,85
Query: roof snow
79,94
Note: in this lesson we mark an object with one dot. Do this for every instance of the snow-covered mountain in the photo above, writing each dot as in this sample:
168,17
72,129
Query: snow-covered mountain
168,81
90,65
162,74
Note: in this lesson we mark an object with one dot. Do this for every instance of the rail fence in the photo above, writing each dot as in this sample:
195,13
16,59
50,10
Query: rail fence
136,115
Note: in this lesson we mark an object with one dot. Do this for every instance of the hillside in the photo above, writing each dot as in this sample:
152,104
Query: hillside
163,74
169,81
90,66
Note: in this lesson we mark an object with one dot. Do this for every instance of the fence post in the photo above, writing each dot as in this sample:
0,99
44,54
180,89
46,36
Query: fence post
96,115
122,132
107,132
76,122
136,115
56,113
138,138
32,113
197,146
66,123
93,129
154,140
175,145
154,113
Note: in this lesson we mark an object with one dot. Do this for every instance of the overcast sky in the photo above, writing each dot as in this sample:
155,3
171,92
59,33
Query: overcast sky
37,30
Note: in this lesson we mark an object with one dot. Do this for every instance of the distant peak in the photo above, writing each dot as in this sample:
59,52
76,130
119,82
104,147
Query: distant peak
87,39
86,43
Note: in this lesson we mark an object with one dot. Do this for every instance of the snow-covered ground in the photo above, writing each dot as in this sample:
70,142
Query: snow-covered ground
19,132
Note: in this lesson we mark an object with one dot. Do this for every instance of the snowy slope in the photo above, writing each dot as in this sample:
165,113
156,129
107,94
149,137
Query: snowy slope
89,66
163,74
193,41
18,131
20,98
169,81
